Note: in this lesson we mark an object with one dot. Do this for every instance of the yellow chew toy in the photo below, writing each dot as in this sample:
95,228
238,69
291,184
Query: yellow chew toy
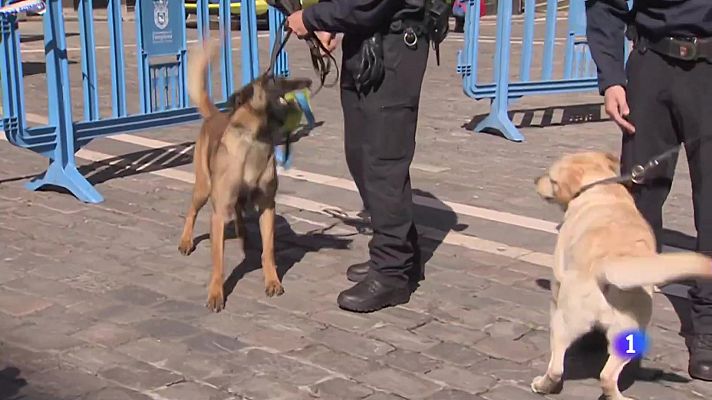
295,114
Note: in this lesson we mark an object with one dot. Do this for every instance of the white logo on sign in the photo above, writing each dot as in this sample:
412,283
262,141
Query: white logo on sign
160,13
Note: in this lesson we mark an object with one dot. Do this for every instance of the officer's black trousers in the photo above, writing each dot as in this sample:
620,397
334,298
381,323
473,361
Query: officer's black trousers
380,130
671,103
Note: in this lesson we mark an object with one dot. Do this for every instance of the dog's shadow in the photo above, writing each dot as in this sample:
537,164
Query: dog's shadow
290,248
586,357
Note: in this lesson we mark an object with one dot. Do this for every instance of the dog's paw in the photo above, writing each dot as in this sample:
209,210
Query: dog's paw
216,301
274,288
185,247
543,385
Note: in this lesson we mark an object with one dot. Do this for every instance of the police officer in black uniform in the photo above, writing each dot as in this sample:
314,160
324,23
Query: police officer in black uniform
663,98
385,52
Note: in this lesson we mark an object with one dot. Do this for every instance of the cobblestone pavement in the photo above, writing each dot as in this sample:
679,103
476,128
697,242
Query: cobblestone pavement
96,303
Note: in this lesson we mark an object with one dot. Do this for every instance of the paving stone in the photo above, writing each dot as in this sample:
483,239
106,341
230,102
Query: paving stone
137,295
212,343
462,379
454,394
140,376
289,370
92,359
508,392
513,350
383,396
400,383
338,388
190,391
56,382
503,329
39,338
344,320
20,305
116,394
120,313
152,350
505,370
403,318
107,334
410,361
401,338
166,329
455,353
271,388
228,324
351,343
178,310
452,333
277,340
334,360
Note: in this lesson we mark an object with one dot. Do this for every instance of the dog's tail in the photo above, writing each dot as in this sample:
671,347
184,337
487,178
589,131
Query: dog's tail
198,61
632,272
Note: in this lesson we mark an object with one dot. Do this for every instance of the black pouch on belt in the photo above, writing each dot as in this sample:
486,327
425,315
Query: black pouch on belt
372,70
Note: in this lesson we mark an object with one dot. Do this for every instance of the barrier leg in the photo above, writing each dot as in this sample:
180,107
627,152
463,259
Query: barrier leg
498,119
62,170
68,177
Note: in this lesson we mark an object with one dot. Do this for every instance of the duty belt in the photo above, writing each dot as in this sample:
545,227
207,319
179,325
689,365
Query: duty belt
686,49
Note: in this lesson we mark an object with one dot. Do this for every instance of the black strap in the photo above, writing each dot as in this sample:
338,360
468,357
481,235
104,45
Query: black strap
321,66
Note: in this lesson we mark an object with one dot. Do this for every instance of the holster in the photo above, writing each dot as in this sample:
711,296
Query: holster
372,70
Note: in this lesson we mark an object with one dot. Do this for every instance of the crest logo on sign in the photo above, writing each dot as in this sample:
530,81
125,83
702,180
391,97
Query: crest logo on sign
160,13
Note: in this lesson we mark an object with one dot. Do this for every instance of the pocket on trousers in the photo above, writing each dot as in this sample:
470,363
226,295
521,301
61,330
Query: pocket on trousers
396,132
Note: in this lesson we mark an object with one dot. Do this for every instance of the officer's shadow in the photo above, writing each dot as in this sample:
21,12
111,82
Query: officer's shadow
434,218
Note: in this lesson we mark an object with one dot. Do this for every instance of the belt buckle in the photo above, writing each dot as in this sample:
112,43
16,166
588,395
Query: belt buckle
687,49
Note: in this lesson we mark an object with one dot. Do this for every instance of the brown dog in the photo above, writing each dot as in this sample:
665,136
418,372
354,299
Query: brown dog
605,263
235,165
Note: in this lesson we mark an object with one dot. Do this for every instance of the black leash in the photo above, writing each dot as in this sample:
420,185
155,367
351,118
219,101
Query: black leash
637,174
321,58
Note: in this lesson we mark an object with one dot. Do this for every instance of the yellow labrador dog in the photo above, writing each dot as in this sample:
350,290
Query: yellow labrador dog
605,263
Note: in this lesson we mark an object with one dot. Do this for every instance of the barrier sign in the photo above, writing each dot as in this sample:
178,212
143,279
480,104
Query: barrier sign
161,23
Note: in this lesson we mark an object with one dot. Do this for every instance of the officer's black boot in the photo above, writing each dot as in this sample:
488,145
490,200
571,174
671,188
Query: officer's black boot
358,272
700,366
373,294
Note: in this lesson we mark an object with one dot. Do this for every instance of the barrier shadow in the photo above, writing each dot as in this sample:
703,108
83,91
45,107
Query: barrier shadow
140,162
10,383
30,68
569,115
27,38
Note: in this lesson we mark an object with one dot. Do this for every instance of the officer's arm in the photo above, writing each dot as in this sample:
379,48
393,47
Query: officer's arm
350,16
605,30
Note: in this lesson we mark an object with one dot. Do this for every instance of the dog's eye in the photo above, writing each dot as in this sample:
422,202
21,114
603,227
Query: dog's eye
282,101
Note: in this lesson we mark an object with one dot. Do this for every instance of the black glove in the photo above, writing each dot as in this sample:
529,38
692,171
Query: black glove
372,70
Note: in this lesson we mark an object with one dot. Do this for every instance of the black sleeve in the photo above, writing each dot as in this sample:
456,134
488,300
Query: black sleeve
350,16
606,21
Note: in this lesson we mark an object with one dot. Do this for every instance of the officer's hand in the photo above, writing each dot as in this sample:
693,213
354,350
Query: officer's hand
617,107
328,40
295,22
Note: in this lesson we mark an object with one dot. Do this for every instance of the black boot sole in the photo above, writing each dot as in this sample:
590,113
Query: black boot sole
400,297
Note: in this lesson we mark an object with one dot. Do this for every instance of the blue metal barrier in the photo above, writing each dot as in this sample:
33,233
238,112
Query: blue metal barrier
162,90
577,73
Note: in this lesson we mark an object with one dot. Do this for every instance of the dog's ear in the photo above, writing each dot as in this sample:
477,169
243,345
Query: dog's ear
283,86
568,184
240,97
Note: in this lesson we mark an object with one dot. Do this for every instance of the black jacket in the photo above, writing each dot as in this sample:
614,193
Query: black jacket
606,21
357,17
